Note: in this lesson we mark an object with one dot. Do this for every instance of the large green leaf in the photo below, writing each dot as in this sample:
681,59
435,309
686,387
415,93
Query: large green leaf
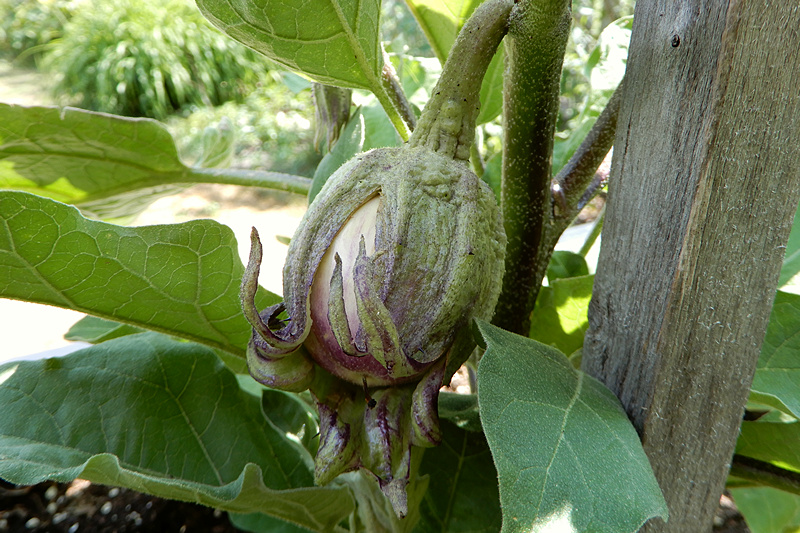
441,20
773,442
768,510
462,493
109,166
95,330
560,316
180,279
777,379
162,417
350,142
335,42
567,457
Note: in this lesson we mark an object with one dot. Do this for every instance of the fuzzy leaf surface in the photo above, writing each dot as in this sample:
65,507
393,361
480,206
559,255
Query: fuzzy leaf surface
773,442
180,279
768,510
336,42
567,457
560,317
158,416
777,379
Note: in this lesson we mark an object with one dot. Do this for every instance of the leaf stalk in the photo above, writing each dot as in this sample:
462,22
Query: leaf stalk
249,178
765,473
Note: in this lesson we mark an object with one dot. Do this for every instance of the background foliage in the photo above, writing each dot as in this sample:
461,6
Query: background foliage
148,59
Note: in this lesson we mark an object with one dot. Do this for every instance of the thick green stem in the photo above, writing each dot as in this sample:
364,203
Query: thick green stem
537,38
249,178
447,124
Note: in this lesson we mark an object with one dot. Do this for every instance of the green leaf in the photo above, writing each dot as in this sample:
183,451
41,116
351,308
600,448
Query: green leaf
791,261
441,20
349,144
492,89
333,42
567,457
768,510
180,279
492,174
462,494
158,416
294,417
777,379
564,264
461,410
108,166
605,68
261,523
378,129
560,317
777,443
96,330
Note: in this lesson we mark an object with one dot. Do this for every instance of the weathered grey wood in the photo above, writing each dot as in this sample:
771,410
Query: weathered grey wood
705,181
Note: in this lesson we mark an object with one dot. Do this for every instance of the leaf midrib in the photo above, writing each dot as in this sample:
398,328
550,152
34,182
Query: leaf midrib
567,411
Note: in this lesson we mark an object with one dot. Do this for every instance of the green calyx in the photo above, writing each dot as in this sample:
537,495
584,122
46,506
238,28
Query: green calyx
397,254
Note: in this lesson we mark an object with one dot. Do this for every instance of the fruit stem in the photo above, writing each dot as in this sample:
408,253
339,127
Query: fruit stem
447,124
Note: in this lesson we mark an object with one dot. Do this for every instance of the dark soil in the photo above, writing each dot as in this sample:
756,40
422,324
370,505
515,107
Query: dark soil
81,507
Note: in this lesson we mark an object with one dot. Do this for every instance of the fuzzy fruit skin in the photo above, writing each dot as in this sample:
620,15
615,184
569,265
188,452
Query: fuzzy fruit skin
389,311
432,249
397,254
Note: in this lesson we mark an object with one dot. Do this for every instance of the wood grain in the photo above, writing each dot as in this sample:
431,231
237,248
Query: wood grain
704,186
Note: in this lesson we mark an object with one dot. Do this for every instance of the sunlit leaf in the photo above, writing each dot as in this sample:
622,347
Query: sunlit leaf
180,279
110,167
777,379
333,42
567,457
560,317
771,442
